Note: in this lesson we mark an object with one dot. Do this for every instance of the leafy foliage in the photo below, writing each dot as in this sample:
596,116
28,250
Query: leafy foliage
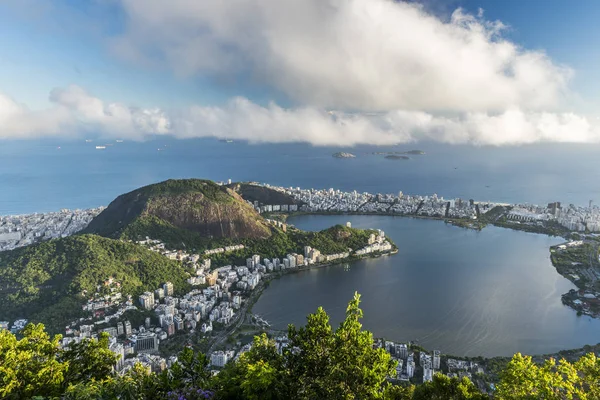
524,379
45,282
37,366
445,388
318,363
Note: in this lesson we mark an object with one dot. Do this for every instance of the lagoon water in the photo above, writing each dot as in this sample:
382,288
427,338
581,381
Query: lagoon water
465,292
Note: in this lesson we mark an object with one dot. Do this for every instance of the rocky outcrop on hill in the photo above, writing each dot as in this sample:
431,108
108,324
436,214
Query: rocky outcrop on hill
193,205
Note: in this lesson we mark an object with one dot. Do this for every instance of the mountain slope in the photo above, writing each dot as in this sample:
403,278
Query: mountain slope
45,282
180,208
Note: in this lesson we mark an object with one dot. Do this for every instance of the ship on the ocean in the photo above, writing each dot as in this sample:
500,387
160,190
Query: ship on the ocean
100,147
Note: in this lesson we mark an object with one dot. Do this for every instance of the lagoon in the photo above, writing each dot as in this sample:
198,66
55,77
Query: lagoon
468,293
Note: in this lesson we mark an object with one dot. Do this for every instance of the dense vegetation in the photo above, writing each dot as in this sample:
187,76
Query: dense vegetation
188,205
45,282
319,363
334,240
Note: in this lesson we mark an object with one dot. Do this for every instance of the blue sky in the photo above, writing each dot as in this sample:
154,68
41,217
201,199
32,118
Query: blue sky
64,43
567,30
56,47
39,56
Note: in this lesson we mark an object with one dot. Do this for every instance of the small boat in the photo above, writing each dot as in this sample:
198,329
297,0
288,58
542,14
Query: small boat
119,141
100,147
88,140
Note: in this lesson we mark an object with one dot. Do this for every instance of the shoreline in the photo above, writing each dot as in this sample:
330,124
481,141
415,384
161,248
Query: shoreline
461,223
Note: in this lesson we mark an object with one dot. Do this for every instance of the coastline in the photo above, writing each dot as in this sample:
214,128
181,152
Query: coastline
567,298
463,223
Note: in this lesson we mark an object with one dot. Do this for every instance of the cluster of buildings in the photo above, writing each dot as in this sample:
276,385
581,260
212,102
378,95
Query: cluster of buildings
426,364
573,218
225,249
17,325
331,200
407,367
267,208
376,243
462,368
23,230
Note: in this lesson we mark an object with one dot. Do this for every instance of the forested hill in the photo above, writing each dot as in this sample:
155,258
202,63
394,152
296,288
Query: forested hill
45,282
180,208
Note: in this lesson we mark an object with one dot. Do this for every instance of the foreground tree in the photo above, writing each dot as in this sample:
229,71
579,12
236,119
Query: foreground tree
523,379
445,388
36,365
318,363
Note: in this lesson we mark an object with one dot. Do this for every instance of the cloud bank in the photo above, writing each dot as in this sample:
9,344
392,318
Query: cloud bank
346,54
75,113
391,72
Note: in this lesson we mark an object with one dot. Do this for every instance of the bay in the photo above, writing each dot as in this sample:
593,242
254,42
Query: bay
38,176
468,293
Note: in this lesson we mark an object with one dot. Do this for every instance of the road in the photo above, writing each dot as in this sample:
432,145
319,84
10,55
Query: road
238,320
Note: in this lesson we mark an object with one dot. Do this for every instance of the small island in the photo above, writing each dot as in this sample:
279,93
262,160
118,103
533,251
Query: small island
342,154
411,152
396,157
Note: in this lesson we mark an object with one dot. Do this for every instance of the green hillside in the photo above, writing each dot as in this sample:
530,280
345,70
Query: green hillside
45,282
185,209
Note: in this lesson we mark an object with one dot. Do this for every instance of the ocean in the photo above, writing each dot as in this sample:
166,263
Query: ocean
41,176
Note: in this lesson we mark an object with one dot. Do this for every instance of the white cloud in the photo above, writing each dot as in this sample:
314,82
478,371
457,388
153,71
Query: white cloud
17,121
347,54
75,113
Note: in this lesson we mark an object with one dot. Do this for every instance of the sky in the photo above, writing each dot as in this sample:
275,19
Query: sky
325,72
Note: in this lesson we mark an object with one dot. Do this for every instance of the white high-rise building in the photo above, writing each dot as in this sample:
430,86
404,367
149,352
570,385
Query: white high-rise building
168,289
410,367
220,358
402,351
147,300
436,359
427,373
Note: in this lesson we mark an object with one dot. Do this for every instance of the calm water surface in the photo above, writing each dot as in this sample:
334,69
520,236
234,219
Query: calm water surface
37,176
489,293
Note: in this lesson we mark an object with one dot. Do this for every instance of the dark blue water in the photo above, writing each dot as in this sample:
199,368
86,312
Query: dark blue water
489,293
37,176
